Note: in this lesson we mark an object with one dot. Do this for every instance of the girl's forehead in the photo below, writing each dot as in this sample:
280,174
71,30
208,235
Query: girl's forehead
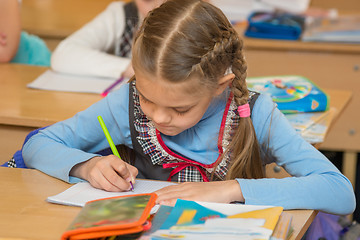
164,92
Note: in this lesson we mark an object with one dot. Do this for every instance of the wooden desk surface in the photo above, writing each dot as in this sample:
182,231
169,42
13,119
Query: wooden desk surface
22,106
298,45
25,214
277,45
339,72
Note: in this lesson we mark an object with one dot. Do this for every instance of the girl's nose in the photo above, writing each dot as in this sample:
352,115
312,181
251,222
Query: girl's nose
161,116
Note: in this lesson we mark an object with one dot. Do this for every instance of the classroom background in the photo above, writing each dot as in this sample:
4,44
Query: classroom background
331,65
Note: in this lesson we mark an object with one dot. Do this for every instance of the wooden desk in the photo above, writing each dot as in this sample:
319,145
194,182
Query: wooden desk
25,214
339,71
23,109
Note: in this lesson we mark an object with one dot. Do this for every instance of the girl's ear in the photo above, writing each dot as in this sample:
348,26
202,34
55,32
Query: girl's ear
224,82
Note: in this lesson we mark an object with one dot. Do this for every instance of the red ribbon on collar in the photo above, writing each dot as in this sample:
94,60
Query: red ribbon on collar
182,165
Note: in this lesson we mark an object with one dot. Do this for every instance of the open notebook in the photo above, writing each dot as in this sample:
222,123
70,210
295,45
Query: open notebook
82,192
54,81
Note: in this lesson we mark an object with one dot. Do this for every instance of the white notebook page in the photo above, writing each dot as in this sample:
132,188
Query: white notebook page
82,192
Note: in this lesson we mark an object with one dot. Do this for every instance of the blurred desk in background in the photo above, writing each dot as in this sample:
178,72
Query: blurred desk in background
54,20
23,109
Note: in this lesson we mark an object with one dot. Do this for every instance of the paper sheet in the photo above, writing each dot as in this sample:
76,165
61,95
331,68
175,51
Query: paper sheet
82,192
189,220
51,80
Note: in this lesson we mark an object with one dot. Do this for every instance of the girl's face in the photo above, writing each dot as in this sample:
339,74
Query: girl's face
145,6
168,105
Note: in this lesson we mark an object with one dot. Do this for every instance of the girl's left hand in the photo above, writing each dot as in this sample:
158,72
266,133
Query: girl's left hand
219,191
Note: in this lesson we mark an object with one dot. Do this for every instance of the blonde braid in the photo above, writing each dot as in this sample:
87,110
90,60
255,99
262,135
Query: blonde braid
244,147
239,68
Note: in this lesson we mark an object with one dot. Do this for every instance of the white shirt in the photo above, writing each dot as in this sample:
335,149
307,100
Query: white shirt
89,51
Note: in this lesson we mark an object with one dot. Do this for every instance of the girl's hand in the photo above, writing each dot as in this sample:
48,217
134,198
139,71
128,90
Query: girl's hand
109,173
219,191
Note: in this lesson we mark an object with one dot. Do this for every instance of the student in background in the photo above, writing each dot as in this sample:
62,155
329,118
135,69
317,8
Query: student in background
103,46
17,46
9,33
188,117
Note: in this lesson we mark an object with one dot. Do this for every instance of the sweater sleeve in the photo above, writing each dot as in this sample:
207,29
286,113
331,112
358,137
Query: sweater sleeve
315,183
57,148
85,52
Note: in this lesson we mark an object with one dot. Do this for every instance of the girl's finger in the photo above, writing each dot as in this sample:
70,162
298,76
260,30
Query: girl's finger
114,182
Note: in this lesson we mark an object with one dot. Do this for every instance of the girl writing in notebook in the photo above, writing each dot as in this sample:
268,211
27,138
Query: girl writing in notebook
189,117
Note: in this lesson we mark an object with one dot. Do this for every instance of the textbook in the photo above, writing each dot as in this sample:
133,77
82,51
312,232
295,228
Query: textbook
317,132
283,229
291,93
114,216
202,220
343,29
303,121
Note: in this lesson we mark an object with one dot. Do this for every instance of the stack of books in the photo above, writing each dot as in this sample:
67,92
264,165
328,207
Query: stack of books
129,217
202,220
343,29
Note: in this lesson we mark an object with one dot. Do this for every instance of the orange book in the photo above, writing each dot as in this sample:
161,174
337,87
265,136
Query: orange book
111,217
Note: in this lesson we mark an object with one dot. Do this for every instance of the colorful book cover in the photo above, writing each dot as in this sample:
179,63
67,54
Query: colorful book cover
113,216
195,220
292,93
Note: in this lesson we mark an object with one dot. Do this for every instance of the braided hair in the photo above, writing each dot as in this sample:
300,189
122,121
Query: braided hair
183,40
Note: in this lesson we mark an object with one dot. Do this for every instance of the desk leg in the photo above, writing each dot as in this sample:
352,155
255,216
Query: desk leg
350,165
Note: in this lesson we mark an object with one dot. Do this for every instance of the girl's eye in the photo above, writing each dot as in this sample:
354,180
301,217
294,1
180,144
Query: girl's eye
181,113
144,100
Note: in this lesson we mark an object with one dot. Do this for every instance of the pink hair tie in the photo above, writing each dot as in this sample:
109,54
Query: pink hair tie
244,110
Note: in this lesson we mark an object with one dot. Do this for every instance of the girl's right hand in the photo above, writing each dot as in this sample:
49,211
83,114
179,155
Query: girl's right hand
109,173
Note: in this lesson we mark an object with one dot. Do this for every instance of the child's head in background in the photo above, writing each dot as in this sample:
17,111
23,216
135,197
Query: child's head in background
145,6
182,55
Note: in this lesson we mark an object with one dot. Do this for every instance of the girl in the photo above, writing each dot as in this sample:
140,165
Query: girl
189,117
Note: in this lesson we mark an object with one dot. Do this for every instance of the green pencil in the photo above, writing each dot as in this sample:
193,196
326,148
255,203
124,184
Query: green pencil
111,142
